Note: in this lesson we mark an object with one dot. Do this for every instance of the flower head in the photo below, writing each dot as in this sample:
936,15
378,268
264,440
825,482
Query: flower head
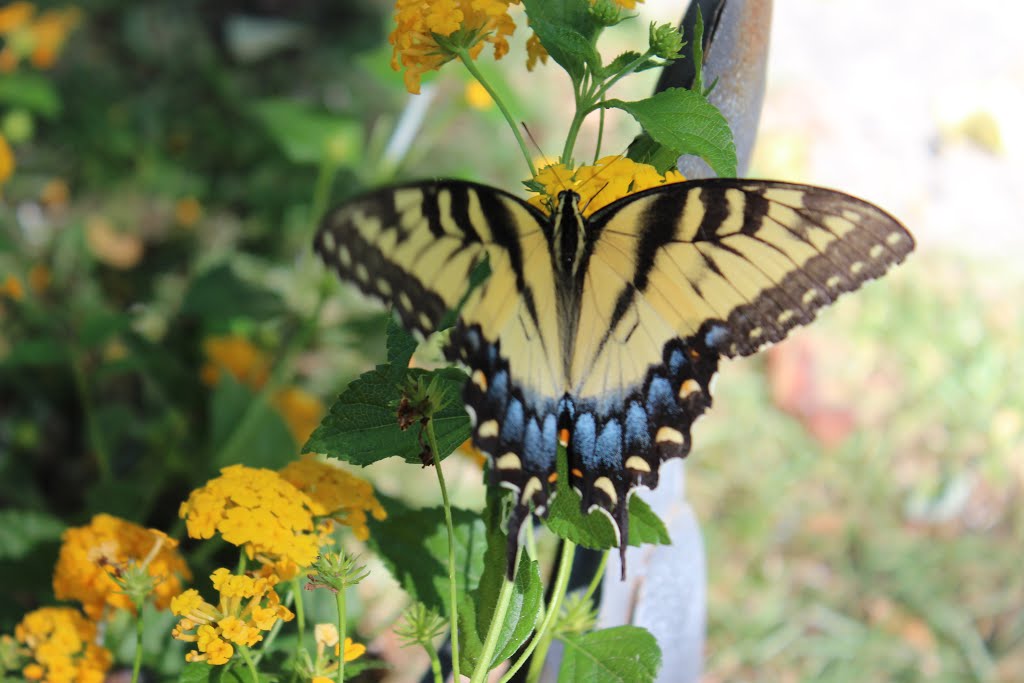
611,178
247,607
6,160
301,411
335,492
59,643
38,38
427,35
92,555
258,510
238,357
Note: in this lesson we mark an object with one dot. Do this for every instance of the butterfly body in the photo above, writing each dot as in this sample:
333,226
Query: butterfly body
604,332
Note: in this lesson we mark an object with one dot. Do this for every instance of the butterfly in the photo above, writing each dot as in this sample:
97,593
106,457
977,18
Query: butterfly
603,333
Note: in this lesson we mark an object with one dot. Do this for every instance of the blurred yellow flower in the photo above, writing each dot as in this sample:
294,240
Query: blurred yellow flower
55,193
473,453
426,33
255,509
239,357
39,278
611,178
326,636
40,39
335,492
117,249
300,409
12,288
535,52
6,160
88,555
247,606
187,211
477,96
61,643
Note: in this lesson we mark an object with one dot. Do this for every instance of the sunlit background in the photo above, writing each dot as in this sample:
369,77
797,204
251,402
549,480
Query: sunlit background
859,486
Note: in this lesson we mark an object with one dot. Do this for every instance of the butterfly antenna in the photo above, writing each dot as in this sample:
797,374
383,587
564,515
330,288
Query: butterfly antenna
598,175
536,146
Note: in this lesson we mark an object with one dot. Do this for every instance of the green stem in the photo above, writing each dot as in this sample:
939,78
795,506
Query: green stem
99,446
598,575
600,135
483,664
339,600
471,66
435,661
542,639
137,661
453,588
626,70
300,613
249,663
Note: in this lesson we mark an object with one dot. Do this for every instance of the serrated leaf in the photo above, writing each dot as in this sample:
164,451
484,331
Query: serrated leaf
269,444
566,30
362,425
644,150
219,295
22,530
304,134
623,654
644,525
620,62
30,91
413,544
685,122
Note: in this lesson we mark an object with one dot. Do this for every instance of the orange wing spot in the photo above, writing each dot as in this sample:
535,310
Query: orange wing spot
563,437
577,473
553,477
694,354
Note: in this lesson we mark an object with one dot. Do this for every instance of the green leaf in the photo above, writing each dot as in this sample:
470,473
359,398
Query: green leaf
644,150
31,91
565,518
623,654
686,123
22,530
477,611
34,353
401,345
219,295
362,425
268,442
698,53
567,31
413,545
305,134
481,271
644,525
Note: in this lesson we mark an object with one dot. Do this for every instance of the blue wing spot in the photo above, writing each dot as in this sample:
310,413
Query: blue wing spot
584,438
676,361
609,446
549,443
659,396
533,444
567,407
497,393
715,336
638,436
512,429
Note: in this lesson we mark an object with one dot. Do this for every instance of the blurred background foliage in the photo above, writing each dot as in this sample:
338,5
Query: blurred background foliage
161,315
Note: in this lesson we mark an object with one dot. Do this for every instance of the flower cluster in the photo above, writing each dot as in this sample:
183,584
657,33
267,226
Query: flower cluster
57,645
247,606
90,556
335,493
611,178
39,38
324,668
249,365
427,34
257,510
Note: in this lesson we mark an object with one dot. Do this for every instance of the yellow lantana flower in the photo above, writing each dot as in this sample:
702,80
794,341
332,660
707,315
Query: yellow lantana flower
255,509
426,32
38,38
12,288
238,357
60,644
611,178
301,411
335,492
247,607
89,554
6,160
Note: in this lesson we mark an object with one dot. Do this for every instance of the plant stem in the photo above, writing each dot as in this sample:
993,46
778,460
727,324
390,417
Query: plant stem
453,589
435,662
483,664
598,575
542,639
249,663
339,599
99,446
471,66
137,661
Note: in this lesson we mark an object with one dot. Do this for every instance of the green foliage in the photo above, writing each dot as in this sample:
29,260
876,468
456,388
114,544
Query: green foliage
622,654
23,530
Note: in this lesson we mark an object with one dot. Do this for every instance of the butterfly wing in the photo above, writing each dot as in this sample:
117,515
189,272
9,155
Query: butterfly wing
680,275
415,246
